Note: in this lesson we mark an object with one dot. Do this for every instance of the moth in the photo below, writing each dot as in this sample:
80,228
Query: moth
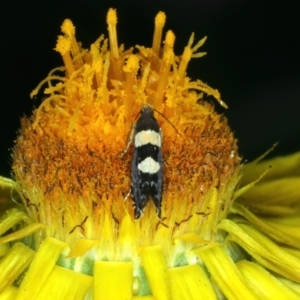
147,162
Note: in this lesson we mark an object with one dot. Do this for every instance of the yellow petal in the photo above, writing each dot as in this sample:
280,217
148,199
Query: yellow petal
263,249
81,247
14,263
42,265
11,218
64,284
143,298
269,229
291,232
188,282
289,221
6,183
288,165
192,238
275,192
295,287
263,284
26,231
3,249
154,263
9,293
224,272
292,251
113,280
274,210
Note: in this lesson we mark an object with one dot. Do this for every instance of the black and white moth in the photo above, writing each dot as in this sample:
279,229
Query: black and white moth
146,167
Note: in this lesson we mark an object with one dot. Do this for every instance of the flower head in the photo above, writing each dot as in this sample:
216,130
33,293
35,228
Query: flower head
67,157
73,179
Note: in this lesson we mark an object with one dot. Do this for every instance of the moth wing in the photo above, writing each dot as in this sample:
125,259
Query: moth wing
136,186
157,191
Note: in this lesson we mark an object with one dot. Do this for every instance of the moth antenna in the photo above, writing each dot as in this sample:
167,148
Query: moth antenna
167,120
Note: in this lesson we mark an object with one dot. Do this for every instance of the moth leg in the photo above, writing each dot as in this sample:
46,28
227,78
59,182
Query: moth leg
127,195
157,201
137,213
129,140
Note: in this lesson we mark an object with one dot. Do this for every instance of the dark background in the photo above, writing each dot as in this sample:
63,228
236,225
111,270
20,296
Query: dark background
253,58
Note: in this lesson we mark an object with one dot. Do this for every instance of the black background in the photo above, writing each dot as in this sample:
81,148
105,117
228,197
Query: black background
253,58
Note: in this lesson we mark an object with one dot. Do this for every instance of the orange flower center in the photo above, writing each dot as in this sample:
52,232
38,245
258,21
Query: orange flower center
67,156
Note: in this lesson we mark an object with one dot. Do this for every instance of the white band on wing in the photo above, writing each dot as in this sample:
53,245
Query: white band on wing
149,165
147,137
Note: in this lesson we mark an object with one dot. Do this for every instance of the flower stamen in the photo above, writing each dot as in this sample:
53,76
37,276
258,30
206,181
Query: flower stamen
160,20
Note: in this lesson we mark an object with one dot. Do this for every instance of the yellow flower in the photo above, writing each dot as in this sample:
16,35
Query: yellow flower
70,233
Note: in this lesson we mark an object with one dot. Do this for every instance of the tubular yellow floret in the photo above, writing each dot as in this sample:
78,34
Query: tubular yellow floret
160,20
112,32
132,64
169,43
63,46
130,69
116,62
185,59
68,28
199,44
166,62
145,77
188,53
191,40
201,86
97,61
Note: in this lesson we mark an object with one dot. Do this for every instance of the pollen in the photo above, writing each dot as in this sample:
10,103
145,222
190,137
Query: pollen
67,159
